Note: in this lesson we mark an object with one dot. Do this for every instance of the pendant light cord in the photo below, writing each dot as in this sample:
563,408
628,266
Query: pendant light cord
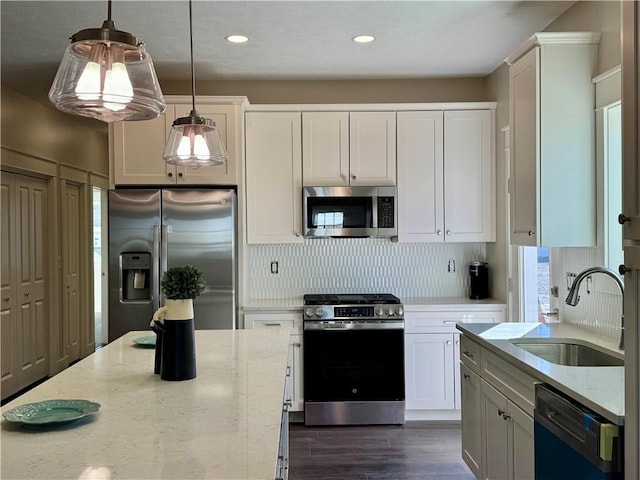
109,10
193,75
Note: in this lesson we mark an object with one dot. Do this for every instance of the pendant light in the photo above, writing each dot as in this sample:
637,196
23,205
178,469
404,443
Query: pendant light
194,141
108,75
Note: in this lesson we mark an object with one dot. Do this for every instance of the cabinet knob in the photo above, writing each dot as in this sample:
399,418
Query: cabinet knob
170,174
622,219
180,174
466,375
6,299
467,353
439,232
449,342
500,412
27,293
448,232
353,177
531,233
297,234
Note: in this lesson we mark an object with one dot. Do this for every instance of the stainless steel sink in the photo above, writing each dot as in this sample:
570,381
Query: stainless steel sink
568,353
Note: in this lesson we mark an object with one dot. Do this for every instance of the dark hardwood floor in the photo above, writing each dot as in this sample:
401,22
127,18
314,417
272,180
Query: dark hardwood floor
414,451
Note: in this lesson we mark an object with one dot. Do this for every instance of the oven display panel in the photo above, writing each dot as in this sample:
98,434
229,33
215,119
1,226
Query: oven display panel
353,312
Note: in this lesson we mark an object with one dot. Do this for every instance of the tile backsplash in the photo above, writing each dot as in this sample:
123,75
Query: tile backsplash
360,265
600,306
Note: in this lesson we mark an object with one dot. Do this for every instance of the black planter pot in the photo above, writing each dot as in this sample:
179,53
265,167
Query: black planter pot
178,350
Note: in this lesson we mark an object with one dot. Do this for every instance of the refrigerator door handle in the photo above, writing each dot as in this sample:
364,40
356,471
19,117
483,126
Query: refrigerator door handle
164,255
156,273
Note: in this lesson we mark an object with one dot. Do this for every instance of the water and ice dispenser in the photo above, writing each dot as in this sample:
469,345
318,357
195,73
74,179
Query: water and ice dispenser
135,276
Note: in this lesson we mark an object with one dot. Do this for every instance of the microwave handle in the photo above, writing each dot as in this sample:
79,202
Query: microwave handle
374,211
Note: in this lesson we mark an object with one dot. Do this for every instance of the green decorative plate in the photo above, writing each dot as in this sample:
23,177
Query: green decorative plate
51,412
147,342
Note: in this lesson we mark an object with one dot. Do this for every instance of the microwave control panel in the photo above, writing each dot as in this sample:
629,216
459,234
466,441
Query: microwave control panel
386,212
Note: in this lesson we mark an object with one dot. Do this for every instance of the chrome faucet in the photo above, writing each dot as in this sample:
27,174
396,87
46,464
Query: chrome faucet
573,297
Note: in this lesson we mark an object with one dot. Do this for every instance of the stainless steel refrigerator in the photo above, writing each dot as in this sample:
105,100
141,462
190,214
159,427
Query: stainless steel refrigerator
151,230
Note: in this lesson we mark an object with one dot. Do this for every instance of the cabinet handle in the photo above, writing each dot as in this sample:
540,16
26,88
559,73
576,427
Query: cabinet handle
273,324
505,416
170,174
288,374
531,233
449,322
467,353
466,375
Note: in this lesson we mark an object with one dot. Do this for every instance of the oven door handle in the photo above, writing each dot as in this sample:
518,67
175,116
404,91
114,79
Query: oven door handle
341,327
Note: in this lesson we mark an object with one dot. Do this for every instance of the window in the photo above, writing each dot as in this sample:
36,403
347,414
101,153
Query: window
612,185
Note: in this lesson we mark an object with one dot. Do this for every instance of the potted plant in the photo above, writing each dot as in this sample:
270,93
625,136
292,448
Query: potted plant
180,286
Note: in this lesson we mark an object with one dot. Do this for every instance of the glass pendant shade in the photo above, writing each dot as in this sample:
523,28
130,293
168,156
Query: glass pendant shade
194,142
108,75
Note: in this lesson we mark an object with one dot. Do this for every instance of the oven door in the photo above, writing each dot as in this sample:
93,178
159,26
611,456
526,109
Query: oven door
354,365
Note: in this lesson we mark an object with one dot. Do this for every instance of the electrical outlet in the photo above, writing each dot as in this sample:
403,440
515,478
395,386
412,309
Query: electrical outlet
274,267
451,266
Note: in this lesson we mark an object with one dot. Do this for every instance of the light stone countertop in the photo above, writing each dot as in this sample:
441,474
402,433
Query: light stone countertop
224,424
599,388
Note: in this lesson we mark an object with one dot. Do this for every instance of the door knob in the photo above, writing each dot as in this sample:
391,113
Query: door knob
622,219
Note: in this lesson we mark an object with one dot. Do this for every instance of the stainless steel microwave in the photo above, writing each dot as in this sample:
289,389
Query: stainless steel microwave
350,212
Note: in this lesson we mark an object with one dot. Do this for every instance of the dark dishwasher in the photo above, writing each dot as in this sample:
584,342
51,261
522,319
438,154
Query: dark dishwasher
573,442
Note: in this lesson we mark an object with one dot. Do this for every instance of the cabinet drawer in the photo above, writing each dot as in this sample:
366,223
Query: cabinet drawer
516,385
291,320
470,354
445,322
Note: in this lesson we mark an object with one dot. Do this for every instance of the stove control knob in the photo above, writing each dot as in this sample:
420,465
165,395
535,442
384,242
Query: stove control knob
309,312
400,310
379,311
320,312
391,312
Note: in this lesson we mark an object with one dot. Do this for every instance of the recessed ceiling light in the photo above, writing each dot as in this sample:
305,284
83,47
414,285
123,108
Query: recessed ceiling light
363,38
237,38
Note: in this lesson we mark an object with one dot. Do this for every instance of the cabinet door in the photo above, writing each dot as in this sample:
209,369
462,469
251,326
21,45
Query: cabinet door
420,177
496,433
521,444
429,371
372,148
225,118
469,172
524,93
137,149
472,425
325,149
274,177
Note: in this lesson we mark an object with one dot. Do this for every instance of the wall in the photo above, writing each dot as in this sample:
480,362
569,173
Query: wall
341,91
41,141
360,266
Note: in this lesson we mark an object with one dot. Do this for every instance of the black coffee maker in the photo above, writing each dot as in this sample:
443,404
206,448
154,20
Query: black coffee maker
479,273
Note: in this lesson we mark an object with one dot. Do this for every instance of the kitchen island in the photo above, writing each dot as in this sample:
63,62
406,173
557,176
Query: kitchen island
224,424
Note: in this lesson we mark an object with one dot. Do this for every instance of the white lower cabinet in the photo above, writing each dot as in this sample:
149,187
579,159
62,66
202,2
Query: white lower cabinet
497,434
432,357
293,321
430,371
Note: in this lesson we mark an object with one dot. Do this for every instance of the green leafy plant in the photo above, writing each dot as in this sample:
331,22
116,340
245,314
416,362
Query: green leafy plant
182,282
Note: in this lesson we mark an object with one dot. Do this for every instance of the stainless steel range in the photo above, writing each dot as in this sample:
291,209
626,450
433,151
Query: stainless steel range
353,359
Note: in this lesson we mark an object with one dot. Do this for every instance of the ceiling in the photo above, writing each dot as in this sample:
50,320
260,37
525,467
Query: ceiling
289,40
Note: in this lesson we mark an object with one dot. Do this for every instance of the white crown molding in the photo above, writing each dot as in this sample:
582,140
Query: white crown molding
368,107
551,38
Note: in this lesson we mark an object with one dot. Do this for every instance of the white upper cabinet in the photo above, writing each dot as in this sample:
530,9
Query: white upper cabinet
325,148
552,126
274,177
136,148
349,148
446,172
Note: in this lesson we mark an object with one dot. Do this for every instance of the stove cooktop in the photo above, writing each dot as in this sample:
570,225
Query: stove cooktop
351,299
